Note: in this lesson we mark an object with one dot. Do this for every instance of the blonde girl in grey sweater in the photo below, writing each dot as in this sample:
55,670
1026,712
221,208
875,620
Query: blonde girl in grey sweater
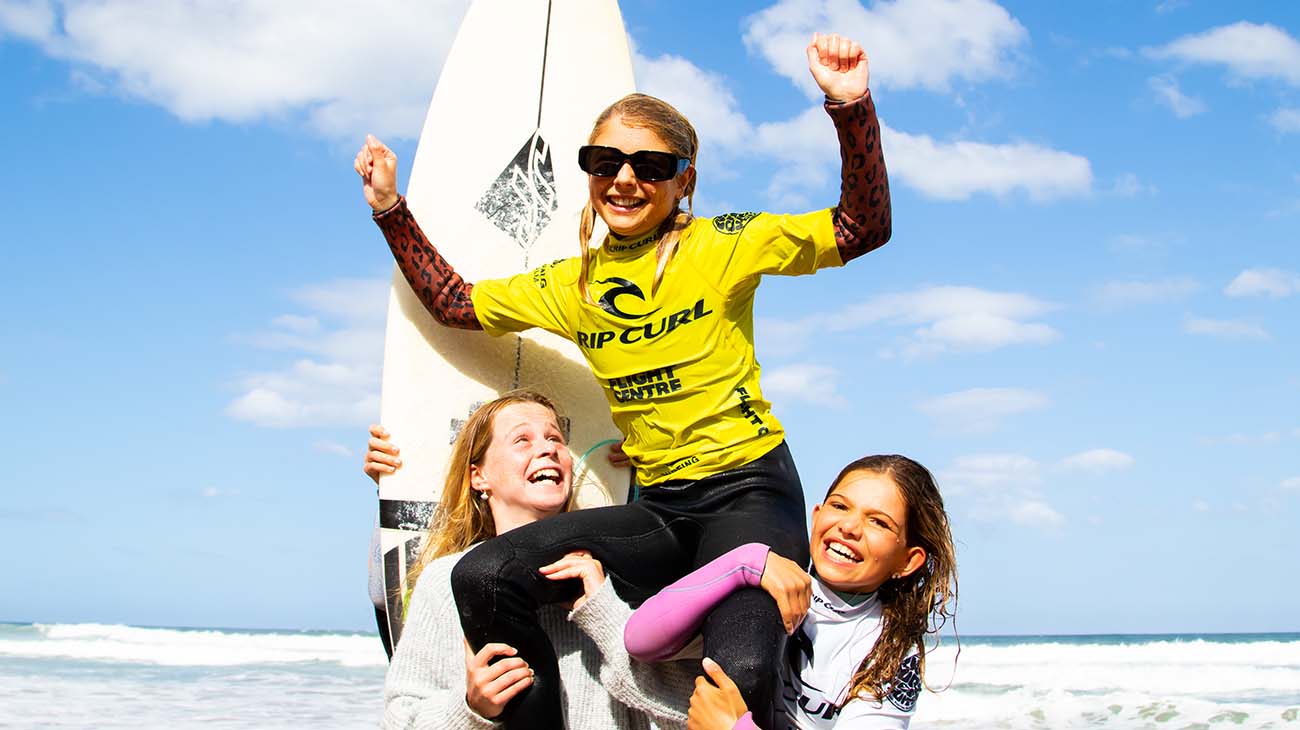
510,467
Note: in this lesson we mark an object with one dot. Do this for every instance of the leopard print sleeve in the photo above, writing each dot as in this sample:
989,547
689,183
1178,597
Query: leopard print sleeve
442,291
862,218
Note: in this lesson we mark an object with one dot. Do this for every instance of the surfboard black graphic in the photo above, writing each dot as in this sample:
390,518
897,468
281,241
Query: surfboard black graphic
522,199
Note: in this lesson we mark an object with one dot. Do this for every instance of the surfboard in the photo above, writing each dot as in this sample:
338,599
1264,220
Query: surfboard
495,185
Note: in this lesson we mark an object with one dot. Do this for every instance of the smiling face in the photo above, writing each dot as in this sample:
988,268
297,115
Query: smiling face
527,470
629,206
859,534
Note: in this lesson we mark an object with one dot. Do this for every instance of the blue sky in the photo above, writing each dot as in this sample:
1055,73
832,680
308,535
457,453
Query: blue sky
1086,323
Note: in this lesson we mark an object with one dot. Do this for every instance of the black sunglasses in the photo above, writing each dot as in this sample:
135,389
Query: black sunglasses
649,165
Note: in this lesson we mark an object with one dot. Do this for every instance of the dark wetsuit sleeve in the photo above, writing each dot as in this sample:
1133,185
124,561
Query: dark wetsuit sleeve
444,293
862,218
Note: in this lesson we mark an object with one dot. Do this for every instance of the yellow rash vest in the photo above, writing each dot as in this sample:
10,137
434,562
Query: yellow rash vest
676,365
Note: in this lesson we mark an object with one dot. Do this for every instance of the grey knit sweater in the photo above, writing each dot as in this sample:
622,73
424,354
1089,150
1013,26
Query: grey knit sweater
603,687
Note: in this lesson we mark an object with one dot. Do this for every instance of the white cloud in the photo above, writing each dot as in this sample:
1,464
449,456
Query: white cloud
805,145
703,96
337,350
942,318
1274,283
1098,460
1200,505
1127,185
332,447
806,382
910,43
982,409
1167,92
985,471
1226,328
956,170
215,492
999,488
1285,120
1243,439
1248,50
1035,513
955,318
1292,483
346,68
1127,293
1143,242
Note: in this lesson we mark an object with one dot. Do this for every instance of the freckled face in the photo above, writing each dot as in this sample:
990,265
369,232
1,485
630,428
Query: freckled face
859,534
527,470
629,206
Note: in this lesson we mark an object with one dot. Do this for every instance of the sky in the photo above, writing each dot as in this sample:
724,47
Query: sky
1085,324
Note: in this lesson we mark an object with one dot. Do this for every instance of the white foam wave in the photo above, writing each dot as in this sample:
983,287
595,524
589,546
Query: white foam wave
181,647
1174,683
1193,668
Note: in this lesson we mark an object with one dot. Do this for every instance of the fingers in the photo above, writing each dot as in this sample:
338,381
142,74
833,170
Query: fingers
382,457
834,52
490,685
573,565
715,673
617,457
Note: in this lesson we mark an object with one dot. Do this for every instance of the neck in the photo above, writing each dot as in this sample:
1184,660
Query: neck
507,518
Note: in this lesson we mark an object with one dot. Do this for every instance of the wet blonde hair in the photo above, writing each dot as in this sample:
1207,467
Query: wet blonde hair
461,517
917,604
676,132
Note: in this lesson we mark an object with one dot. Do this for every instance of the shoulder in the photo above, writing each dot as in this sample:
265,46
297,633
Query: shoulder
726,224
907,684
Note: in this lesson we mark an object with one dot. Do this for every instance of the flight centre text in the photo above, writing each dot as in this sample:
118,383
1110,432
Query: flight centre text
650,384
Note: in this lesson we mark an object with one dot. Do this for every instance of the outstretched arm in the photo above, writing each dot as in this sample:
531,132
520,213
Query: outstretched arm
862,218
442,291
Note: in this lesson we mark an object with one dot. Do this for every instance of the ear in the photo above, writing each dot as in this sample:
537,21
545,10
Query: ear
477,479
915,559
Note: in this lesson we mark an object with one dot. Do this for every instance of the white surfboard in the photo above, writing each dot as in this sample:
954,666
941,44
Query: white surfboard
495,185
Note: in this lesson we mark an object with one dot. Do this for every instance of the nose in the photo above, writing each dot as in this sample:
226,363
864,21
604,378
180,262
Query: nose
625,175
548,447
850,526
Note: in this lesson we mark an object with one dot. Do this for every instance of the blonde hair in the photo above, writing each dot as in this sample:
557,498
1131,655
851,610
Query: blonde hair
916,604
461,517
675,130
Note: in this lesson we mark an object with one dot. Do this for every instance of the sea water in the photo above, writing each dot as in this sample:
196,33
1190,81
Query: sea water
108,676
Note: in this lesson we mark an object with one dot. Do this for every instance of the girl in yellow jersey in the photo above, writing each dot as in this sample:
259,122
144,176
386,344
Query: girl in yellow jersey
663,311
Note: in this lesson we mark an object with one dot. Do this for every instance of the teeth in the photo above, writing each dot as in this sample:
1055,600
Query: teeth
842,552
625,202
551,474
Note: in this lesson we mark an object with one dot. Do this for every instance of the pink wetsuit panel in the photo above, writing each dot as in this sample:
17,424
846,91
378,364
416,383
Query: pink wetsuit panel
671,618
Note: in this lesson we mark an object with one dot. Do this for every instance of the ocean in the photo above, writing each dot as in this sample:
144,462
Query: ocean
109,676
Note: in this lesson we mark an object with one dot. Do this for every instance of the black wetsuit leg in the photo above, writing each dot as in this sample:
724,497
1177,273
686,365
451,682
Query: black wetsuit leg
674,528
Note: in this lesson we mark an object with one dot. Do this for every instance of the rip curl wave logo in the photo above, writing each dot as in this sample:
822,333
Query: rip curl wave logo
609,300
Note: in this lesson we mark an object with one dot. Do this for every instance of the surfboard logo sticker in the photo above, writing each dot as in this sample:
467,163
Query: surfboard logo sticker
522,199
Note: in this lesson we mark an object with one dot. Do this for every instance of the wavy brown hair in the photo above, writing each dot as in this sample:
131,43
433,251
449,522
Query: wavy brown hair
461,518
675,130
917,604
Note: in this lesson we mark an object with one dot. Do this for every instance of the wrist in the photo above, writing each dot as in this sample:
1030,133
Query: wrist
385,204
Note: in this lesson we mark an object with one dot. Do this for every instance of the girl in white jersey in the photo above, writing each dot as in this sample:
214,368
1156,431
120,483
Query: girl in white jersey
883,576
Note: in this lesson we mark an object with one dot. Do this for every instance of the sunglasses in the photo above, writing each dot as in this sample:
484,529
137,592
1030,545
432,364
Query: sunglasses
649,165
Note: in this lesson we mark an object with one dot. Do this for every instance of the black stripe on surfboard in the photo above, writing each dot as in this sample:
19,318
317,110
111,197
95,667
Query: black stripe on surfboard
546,47
393,597
405,514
